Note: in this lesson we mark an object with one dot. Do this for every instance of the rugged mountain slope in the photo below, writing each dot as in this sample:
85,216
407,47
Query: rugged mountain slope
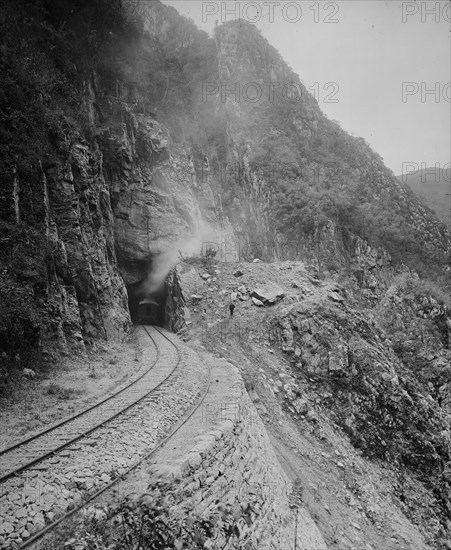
301,171
92,184
112,148
343,374
434,186
129,138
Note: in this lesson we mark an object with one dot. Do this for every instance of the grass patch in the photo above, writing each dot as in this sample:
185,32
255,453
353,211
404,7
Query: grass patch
62,393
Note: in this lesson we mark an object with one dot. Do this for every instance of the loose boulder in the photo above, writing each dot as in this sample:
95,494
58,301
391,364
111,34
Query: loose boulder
301,405
28,373
257,302
269,293
335,297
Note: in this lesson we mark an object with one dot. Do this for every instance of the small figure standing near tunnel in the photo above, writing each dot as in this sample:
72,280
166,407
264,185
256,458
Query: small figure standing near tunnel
232,308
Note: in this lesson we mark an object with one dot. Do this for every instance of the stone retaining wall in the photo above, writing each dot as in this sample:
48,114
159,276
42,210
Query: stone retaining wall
234,462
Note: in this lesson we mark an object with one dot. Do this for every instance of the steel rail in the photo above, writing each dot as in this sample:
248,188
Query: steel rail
56,449
81,413
46,530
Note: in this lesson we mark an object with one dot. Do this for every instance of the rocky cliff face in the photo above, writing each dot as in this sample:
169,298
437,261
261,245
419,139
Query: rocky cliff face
125,171
384,398
282,141
107,194
115,162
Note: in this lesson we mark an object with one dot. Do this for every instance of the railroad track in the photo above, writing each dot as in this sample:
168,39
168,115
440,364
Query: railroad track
90,499
21,459
33,450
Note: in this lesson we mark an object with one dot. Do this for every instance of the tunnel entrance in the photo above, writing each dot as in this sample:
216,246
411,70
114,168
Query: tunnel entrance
155,296
147,308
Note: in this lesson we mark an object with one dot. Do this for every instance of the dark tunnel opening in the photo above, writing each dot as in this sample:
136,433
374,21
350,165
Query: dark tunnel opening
147,308
149,303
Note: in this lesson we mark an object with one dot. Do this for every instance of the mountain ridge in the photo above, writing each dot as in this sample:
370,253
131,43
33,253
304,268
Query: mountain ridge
123,149
434,186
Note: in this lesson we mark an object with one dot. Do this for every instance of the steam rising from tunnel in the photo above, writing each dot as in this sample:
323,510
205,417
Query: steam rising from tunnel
150,297
166,259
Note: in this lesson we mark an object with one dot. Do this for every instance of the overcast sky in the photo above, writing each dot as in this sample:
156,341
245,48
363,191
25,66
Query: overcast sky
360,52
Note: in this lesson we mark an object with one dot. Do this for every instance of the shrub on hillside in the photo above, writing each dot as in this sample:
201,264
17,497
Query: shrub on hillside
19,327
148,521
422,288
23,281
204,260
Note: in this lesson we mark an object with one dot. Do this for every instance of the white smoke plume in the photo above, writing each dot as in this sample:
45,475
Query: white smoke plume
166,259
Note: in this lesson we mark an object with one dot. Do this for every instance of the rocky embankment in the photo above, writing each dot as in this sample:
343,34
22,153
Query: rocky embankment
339,361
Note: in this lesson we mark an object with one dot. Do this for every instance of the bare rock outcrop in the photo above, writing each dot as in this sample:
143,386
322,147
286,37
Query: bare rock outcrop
389,395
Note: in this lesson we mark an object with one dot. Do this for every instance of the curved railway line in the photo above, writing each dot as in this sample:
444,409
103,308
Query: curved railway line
29,453
35,449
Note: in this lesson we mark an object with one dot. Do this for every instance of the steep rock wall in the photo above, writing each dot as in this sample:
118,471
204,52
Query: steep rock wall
389,396
139,162
101,191
174,313
278,143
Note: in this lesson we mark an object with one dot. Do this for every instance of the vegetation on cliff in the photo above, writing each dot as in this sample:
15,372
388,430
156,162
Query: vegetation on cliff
302,170
92,91
285,170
